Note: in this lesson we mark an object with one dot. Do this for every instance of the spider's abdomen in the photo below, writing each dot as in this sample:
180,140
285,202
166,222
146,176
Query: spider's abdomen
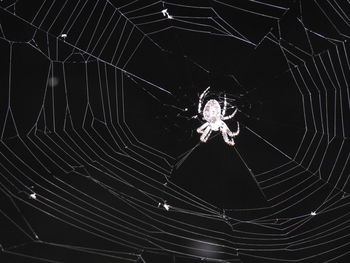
212,111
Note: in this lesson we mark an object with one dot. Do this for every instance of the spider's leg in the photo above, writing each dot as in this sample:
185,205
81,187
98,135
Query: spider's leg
201,100
206,134
232,134
226,129
203,127
226,133
228,140
224,108
230,116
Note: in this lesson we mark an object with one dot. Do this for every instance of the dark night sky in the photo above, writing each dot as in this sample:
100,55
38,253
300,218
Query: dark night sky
96,144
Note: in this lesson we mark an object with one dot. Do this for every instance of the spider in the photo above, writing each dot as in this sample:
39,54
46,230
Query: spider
214,118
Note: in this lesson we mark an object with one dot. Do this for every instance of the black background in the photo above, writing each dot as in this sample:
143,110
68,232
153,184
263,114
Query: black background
257,78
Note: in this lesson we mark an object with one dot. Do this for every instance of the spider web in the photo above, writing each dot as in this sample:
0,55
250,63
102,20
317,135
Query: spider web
99,159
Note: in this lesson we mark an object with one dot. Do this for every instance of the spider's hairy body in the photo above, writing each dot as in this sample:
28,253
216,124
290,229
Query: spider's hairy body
212,114
214,117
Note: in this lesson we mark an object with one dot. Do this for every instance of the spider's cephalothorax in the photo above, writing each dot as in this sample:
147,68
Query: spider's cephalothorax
214,117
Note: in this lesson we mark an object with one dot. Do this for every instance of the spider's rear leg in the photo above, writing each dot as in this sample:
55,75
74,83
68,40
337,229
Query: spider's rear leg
201,97
224,108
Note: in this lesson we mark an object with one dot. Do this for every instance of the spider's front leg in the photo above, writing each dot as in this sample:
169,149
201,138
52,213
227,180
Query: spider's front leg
226,133
201,97
232,134
228,140
202,128
205,130
206,134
